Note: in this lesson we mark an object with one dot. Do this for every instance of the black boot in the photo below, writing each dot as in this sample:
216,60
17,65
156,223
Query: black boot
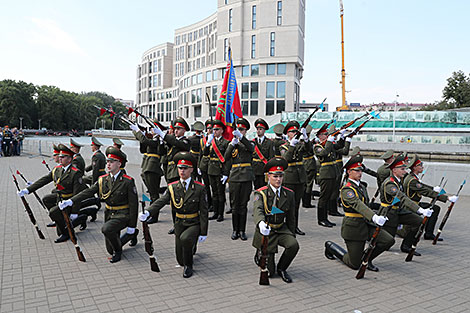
80,220
51,224
125,238
242,226
62,238
307,200
333,250
188,271
235,226
235,235
221,212
116,257
216,210
372,267
90,211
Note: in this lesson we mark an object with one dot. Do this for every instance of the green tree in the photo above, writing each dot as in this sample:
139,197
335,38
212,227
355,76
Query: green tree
457,90
16,100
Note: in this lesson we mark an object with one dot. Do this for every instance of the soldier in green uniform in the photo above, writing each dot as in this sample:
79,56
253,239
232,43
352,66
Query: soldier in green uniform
274,216
310,164
50,199
341,147
215,148
70,178
119,193
196,150
238,156
117,143
415,189
295,176
383,172
264,151
279,140
98,162
188,199
78,160
398,207
359,223
203,164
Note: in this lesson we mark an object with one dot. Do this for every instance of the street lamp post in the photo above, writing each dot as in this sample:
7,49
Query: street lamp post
96,121
21,122
395,113
39,120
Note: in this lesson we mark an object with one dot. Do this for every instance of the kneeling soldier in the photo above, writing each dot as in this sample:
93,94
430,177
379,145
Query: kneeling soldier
118,191
358,224
188,199
274,216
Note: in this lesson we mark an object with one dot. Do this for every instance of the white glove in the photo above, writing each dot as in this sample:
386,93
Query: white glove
29,183
341,132
425,212
23,192
65,203
264,229
202,238
158,132
294,142
285,137
304,133
73,216
224,179
143,216
316,139
199,171
453,199
437,189
234,141
379,219
348,139
130,230
209,139
134,127
237,134
331,138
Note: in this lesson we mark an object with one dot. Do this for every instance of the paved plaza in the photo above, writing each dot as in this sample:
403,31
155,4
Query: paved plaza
41,276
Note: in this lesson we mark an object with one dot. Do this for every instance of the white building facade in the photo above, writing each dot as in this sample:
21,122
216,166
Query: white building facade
267,42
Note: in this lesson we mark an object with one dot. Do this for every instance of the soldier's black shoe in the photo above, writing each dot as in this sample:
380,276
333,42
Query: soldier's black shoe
431,237
93,217
299,232
334,249
134,238
62,238
331,223
335,213
229,211
235,235
83,225
188,271
325,224
220,218
214,217
152,220
211,209
407,249
51,224
285,277
328,254
116,257
171,231
372,267
243,236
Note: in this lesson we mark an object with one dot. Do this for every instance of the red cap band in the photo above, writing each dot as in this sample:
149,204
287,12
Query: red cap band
292,128
115,157
177,124
260,125
185,162
354,165
276,169
70,153
241,126
416,163
399,164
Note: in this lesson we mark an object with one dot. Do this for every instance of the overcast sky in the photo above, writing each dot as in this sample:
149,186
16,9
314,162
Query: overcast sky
394,47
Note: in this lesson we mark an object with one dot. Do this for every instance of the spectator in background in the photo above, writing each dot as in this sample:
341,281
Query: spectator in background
14,141
1,140
7,137
20,141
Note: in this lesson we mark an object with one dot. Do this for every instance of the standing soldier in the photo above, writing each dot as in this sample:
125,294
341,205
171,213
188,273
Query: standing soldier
98,162
383,172
274,216
240,154
50,199
295,176
278,129
7,138
360,221
404,211
196,149
415,190
117,143
78,160
215,148
341,148
310,164
264,151
188,199
70,178
176,143
203,164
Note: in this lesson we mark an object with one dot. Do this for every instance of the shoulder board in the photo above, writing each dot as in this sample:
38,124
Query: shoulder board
57,166
199,183
127,176
288,189
262,188
392,179
175,182
104,175
74,169
348,184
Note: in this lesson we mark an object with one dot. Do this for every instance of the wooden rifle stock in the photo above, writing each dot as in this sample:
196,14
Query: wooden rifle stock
34,192
29,211
149,244
264,273
305,123
368,252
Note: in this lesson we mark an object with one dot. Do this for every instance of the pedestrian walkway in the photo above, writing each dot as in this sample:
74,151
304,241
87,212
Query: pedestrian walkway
41,276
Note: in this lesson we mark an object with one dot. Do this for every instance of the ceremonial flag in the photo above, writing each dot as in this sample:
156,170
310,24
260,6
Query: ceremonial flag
228,106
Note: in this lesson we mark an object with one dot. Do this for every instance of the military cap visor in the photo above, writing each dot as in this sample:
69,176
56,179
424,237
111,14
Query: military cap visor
185,159
242,123
65,151
399,161
198,126
180,123
118,141
415,161
387,155
278,129
355,163
276,166
75,144
96,142
114,154
56,150
291,126
218,124
260,123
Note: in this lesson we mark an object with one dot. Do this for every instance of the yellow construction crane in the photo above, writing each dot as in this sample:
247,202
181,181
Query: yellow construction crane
343,107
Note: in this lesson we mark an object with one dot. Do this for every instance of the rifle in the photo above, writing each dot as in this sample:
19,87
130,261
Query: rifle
81,256
111,112
148,242
210,105
446,216
358,128
28,210
47,165
34,192
146,119
410,255
264,274
305,123
372,114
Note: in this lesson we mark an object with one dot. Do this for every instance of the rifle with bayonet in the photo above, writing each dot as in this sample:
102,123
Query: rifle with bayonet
263,261
372,115
148,241
34,192
307,121
111,112
46,165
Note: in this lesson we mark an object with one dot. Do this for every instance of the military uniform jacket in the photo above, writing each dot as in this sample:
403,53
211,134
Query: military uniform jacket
357,214
341,149
239,160
153,151
216,167
97,166
175,145
203,161
190,206
383,172
267,150
281,224
310,163
195,141
392,188
79,163
278,142
415,189
327,157
295,173
119,196
70,179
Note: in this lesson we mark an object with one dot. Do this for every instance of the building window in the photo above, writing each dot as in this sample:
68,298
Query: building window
199,78
281,90
273,44
245,90
255,70
193,96
245,107
230,20
208,76
214,75
254,91
225,1
254,107
225,49
270,69
199,95
281,69
270,89
253,17
279,13
269,107
253,46
214,94
197,111
245,70
280,106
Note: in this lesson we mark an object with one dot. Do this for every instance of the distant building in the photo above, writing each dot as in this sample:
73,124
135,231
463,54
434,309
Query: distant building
305,107
130,103
390,106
